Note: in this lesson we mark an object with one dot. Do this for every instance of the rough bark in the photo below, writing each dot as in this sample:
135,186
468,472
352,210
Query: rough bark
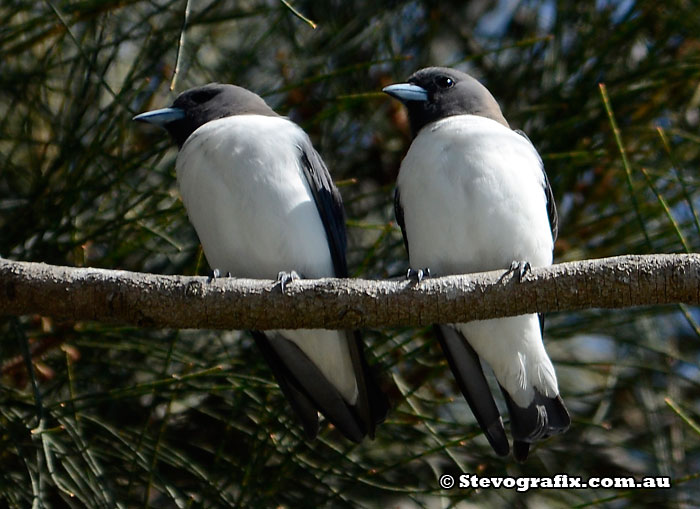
149,300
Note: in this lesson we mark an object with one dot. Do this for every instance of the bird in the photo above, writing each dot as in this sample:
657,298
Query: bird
264,206
471,196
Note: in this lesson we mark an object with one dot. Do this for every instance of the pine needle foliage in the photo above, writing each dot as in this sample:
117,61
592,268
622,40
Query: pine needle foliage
99,416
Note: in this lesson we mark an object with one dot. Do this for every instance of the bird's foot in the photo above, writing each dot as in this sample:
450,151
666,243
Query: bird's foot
216,274
518,268
417,275
283,278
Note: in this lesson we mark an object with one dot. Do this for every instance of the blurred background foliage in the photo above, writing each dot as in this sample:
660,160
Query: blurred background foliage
100,416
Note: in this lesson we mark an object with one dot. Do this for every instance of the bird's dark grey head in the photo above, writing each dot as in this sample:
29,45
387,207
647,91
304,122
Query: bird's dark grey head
438,92
197,106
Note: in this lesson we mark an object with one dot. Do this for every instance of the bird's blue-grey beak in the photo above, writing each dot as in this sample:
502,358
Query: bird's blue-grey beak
405,92
161,117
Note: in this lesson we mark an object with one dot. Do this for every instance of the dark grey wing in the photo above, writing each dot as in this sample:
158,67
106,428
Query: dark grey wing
300,379
303,407
549,195
545,416
329,204
307,389
551,206
398,212
465,365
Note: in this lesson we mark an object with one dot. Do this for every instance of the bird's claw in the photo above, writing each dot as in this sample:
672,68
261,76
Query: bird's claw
216,274
283,278
519,268
418,275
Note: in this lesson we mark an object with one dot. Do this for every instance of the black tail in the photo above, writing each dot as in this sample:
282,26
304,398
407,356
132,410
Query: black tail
543,418
465,365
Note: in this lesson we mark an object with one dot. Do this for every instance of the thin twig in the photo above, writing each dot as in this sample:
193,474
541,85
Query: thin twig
685,417
298,14
625,161
180,45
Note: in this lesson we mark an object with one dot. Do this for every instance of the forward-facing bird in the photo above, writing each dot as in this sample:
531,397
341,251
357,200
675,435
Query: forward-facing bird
264,206
472,196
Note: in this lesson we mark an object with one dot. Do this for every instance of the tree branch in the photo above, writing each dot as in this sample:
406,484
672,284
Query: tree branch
149,300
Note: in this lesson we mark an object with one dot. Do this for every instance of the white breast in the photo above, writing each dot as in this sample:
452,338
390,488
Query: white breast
473,197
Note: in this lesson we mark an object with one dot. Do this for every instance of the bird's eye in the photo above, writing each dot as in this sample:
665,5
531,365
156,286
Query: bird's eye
202,96
444,82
